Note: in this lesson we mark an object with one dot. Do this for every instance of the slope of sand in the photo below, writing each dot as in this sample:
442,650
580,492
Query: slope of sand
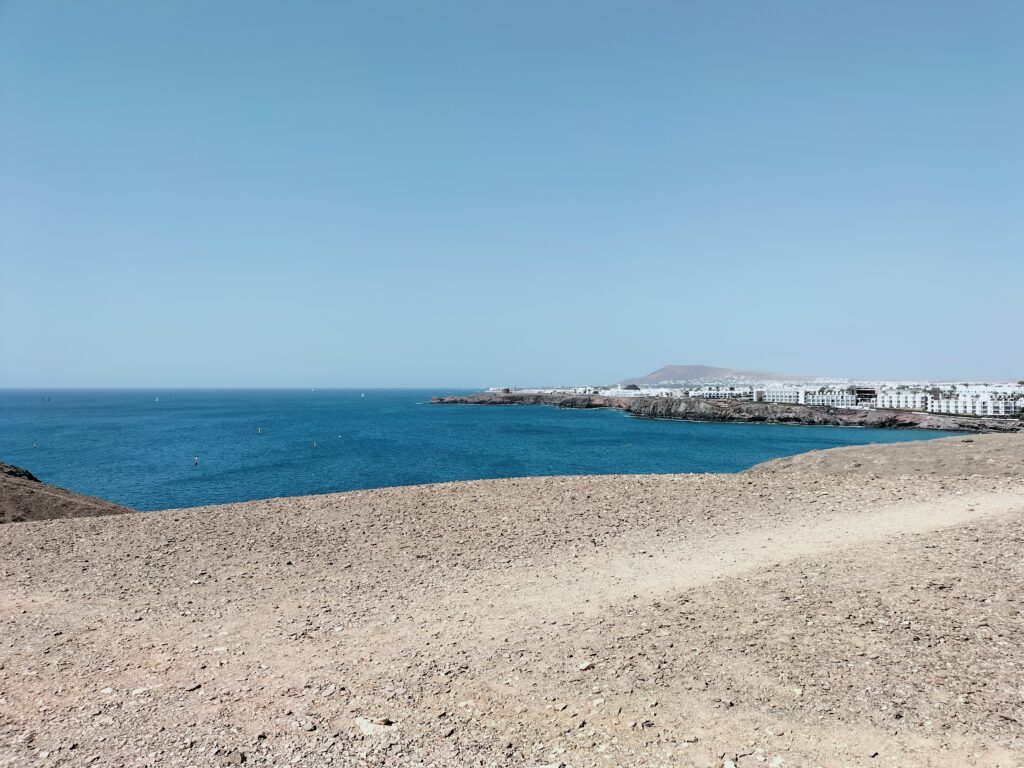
23,498
861,606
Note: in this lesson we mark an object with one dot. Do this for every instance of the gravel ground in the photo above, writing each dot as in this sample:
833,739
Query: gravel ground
861,606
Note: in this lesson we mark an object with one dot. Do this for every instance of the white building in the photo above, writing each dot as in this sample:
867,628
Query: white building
904,399
977,403
620,392
836,398
787,395
723,393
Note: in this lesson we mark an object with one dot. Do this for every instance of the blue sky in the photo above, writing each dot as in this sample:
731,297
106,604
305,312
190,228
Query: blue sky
478,193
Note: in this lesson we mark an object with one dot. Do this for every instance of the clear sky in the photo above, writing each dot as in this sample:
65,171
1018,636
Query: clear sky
480,193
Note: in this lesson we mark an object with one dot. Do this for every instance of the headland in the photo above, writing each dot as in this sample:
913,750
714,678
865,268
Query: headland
23,497
703,409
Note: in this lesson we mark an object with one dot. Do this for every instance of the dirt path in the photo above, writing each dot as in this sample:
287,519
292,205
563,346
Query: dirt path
607,578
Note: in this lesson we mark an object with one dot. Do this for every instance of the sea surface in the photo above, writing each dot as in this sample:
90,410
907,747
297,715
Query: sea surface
139,448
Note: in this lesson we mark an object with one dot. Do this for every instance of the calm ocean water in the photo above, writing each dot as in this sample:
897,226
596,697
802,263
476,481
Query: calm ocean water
137,447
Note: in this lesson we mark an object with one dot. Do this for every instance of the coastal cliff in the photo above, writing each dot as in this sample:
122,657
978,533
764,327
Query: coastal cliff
701,409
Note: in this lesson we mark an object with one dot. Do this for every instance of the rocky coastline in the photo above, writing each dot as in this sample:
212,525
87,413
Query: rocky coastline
700,409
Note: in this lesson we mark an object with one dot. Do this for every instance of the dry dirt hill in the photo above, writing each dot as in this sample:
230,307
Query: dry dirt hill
858,607
24,498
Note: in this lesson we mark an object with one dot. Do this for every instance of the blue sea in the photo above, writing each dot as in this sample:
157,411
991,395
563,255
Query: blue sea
139,448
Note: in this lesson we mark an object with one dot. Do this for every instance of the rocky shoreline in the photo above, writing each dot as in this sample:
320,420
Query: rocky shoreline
700,409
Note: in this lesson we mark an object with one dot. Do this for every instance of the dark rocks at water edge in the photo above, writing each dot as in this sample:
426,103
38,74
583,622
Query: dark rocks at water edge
700,409
24,498
9,470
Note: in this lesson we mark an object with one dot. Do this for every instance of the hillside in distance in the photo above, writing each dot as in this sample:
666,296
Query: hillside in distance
705,374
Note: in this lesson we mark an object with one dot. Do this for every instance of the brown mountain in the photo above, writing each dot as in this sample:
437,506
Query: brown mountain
703,374
23,498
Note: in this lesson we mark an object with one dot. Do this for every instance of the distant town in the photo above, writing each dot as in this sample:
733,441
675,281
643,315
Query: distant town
963,398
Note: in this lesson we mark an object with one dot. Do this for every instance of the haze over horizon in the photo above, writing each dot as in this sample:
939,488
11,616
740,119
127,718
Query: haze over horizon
360,195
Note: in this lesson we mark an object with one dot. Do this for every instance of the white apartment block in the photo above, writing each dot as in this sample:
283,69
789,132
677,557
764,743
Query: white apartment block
977,404
837,398
823,396
788,395
720,393
619,392
904,399
970,400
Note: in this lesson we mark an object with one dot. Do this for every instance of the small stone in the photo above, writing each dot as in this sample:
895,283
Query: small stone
237,757
690,739
376,727
586,665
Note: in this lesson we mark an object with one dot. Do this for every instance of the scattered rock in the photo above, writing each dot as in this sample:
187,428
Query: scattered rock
374,727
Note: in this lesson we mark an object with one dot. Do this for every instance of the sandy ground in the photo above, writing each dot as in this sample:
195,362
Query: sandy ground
861,606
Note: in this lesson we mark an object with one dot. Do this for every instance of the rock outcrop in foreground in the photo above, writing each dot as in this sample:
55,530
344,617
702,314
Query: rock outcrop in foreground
23,498
700,409
856,607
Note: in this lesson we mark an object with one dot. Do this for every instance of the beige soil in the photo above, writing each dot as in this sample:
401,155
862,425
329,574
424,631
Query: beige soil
860,606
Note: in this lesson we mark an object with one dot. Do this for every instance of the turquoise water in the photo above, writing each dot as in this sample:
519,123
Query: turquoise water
138,447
